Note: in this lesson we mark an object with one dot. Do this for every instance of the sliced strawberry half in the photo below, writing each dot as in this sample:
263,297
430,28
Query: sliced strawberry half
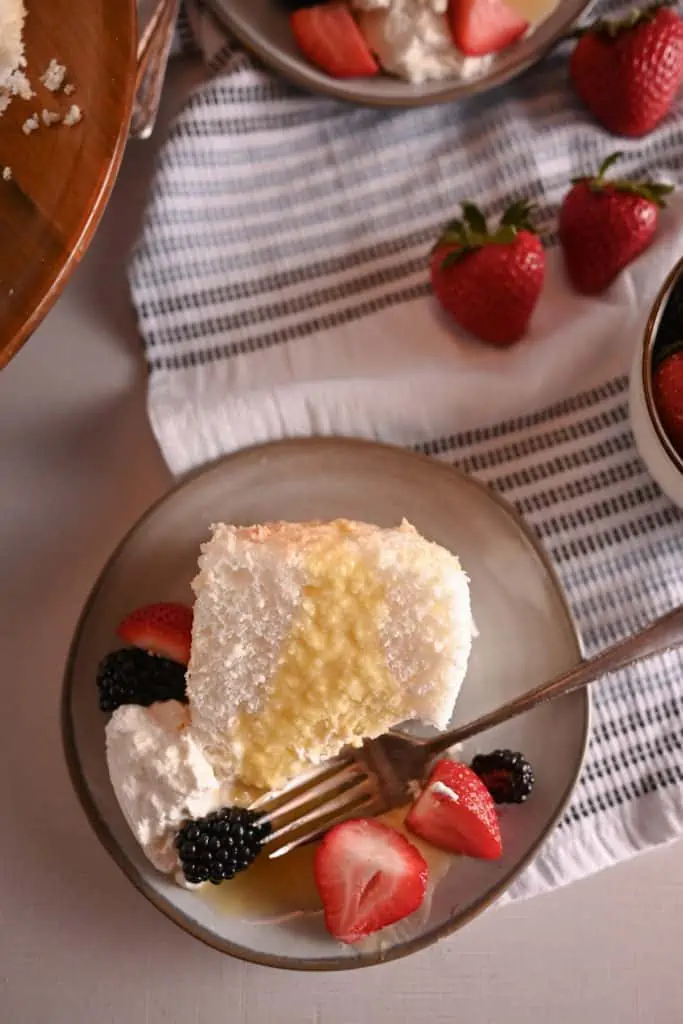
331,39
456,812
480,27
369,876
164,628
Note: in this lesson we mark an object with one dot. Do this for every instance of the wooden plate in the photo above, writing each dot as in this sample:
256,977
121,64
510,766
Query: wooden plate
61,177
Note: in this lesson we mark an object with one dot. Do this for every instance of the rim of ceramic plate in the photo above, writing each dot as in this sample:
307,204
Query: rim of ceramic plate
344,90
106,836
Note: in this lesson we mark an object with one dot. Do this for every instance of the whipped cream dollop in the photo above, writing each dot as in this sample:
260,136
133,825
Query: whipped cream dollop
412,39
160,775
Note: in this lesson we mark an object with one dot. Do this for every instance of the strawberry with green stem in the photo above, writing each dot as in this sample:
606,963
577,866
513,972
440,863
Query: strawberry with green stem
628,72
605,223
490,281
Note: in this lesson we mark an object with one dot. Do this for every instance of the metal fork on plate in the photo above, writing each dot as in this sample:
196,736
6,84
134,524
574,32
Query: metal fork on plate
381,774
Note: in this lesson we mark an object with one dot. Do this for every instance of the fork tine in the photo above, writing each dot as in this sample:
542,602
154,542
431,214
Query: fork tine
347,799
302,782
340,780
368,804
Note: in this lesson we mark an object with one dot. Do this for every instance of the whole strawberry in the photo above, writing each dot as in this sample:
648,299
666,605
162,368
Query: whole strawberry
668,394
604,224
490,281
628,72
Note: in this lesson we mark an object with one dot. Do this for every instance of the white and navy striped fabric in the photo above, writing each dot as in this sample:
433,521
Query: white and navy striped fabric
281,288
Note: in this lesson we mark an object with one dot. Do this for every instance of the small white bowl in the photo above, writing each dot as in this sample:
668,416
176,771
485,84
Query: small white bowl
652,442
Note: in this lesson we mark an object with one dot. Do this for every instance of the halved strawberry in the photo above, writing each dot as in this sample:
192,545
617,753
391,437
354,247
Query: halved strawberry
480,27
369,876
164,628
456,812
331,39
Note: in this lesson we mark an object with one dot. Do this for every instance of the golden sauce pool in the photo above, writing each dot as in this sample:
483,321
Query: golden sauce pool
272,889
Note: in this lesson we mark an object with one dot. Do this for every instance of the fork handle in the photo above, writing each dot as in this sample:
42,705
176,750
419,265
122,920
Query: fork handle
661,635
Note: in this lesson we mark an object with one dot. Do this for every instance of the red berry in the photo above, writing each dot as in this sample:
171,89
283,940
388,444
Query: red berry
369,876
331,39
604,224
484,26
628,73
456,812
668,395
164,628
490,282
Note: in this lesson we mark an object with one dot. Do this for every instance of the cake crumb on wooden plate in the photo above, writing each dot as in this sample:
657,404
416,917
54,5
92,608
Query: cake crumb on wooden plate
60,178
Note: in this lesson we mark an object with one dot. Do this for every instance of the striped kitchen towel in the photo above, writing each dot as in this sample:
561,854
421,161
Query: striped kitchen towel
281,288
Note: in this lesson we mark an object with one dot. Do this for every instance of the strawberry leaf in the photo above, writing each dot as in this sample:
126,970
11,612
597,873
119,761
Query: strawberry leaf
453,257
505,234
518,216
612,27
474,218
607,163
653,191
472,232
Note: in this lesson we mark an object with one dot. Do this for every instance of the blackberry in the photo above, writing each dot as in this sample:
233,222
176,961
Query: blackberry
132,676
215,848
507,775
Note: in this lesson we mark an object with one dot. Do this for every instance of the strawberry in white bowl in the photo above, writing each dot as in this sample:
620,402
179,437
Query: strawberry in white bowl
416,40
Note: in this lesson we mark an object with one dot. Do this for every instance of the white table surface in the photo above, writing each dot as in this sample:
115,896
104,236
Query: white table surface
78,945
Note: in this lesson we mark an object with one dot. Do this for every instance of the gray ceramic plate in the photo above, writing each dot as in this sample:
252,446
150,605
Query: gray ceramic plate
263,27
526,636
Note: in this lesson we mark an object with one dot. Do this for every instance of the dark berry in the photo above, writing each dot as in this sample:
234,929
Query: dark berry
132,676
217,847
507,775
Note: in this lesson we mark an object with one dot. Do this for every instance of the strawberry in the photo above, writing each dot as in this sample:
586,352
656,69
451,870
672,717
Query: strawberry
456,812
484,26
668,394
489,282
164,628
331,39
604,224
368,876
628,72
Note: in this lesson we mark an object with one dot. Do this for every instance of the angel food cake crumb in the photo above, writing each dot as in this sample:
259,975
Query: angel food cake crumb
14,82
73,115
53,76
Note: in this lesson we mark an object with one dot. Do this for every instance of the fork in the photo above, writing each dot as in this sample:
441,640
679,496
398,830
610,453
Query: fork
384,772
153,52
